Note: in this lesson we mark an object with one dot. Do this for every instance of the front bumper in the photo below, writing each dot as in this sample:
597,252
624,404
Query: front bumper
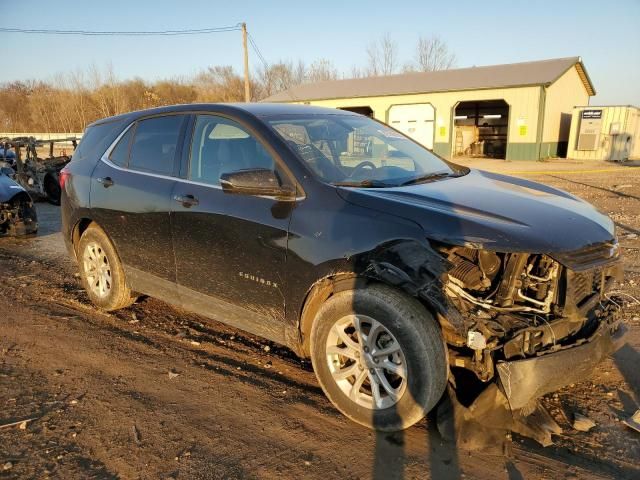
525,380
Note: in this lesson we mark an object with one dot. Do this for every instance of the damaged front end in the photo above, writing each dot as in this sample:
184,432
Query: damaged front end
17,212
528,324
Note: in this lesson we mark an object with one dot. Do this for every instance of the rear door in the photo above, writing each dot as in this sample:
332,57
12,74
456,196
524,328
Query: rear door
230,249
131,194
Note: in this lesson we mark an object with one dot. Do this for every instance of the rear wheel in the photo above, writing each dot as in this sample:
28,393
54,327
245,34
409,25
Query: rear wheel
379,357
101,271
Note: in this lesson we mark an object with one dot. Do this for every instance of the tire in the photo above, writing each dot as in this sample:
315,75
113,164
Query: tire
101,272
52,189
396,320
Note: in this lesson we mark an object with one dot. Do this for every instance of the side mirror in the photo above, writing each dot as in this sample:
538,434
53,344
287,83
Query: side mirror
256,181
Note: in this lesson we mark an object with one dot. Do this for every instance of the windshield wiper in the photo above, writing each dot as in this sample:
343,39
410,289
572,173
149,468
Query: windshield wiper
363,184
427,178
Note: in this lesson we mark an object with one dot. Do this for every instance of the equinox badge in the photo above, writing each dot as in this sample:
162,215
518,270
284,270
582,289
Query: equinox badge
260,280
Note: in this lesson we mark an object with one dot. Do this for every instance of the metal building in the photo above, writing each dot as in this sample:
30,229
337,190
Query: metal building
519,111
605,133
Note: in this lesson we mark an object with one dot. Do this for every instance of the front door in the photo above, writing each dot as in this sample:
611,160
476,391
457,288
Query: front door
230,249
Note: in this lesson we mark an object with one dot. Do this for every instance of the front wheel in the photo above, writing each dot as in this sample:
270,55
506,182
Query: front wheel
379,357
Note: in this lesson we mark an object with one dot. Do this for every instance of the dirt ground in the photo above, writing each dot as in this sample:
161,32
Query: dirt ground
155,392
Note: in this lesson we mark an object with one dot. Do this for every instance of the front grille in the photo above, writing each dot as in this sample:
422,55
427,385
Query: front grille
589,257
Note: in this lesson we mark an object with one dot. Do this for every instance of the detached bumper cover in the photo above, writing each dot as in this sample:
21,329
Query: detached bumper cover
527,379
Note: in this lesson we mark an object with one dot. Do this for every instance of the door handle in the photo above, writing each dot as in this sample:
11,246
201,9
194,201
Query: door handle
186,200
106,181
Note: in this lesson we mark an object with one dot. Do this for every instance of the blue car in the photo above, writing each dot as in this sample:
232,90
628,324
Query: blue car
17,212
8,157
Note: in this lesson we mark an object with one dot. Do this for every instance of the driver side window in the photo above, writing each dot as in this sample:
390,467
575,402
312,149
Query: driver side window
219,146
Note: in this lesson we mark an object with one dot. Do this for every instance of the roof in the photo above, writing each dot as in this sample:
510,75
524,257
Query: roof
267,109
542,72
255,109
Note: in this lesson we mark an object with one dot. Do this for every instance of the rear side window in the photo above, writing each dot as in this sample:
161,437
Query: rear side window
154,144
120,154
96,139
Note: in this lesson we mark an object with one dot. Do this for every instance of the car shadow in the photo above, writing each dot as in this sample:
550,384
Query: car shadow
444,461
390,457
627,359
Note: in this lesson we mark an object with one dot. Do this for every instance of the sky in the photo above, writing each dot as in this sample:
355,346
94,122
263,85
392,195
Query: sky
606,34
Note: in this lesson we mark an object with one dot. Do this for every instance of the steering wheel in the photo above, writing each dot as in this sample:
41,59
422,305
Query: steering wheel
361,166
317,160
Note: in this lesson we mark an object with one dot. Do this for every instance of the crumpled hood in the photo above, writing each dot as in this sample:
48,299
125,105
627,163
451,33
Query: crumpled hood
493,211
8,188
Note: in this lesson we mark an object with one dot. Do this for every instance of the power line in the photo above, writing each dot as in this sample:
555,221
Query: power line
258,52
266,64
192,31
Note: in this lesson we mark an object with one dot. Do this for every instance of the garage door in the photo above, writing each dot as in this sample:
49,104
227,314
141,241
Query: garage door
416,121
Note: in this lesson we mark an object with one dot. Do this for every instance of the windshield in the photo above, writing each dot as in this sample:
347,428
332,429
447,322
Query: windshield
358,151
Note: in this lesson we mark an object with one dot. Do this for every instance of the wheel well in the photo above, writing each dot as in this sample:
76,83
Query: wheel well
80,227
318,294
20,197
330,285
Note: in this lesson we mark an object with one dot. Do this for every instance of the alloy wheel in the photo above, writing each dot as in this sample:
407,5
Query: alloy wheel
97,269
366,361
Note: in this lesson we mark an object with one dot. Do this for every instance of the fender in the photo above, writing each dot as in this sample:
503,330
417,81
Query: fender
411,266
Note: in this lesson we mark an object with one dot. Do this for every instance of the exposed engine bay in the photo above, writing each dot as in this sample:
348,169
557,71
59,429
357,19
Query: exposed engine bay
18,217
525,315
17,212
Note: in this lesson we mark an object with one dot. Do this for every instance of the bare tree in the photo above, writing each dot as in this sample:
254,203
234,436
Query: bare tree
321,70
283,75
357,72
382,57
106,90
174,92
15,111
279,77
432,53
219,84
81,94
68,102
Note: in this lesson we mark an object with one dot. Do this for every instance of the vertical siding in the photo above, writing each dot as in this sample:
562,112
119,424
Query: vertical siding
633,122
629,119
523,114
561,96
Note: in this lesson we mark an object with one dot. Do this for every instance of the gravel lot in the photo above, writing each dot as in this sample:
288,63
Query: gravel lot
155,392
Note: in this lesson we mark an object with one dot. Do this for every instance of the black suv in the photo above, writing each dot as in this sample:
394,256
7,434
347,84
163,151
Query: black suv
337,236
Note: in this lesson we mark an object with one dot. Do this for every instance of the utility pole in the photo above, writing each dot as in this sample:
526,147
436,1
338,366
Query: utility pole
247,88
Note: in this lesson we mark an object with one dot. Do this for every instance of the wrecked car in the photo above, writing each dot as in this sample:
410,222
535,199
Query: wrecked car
396,272
17,213
7,155
38,176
